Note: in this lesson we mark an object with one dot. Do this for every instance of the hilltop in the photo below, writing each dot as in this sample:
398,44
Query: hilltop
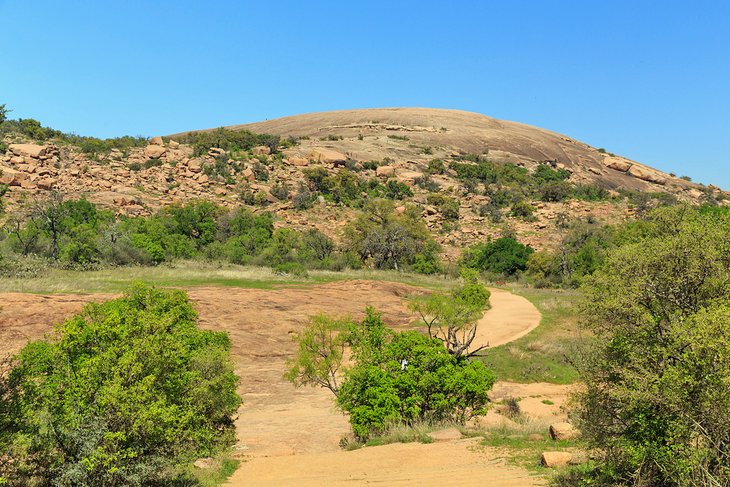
472,176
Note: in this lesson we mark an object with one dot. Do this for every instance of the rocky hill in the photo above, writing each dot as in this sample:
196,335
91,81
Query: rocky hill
396,144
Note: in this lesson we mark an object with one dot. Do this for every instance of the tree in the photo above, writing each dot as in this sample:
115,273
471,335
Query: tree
397,377
657,380
120,394
452,318
504,256
390,240
4,113
319,358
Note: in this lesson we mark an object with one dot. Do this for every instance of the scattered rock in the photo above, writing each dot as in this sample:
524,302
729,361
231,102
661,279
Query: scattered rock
647,175
203,463
563,431
249,175
554,459
261,150
297,161
327,156
617,163
156,141
28,150
154,151
46,184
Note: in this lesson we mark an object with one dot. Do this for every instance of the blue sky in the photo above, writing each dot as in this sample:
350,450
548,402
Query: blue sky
646,79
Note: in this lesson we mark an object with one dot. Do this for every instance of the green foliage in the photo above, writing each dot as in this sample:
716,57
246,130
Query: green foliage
120,394
396,190
504,256
397,377
388,240
319,357
449,207
545,173
228,140
436,166
656,381
524,210
452,318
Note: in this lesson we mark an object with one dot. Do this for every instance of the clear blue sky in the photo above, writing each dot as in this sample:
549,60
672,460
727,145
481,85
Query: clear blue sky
646,79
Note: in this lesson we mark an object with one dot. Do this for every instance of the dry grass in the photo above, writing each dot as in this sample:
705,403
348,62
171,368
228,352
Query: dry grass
197,273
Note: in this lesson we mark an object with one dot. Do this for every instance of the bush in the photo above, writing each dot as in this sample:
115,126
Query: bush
656,381
436,166
122,393
388,240
228,140
395,190
406,377
502,256
524,210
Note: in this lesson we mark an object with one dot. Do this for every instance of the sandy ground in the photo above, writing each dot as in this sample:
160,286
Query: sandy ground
291,436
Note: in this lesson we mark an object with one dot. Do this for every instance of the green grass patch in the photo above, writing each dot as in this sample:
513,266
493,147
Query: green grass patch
523,443
220,469
544,354
199,273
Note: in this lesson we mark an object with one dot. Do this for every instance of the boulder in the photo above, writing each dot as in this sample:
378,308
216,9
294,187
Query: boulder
617,164
156,141
28,150
297,161
154,151
46,183
327,156
11,177
555,459
261,150
647,175
384,171
195,166
563,431
249,175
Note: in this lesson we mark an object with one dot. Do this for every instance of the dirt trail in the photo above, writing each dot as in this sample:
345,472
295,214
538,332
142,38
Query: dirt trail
291,436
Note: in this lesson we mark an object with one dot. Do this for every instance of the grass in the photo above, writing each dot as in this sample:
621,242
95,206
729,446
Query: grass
523,443
198,273
221,467
544,354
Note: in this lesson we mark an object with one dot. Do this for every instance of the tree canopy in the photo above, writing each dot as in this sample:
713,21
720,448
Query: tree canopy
657,391
121,394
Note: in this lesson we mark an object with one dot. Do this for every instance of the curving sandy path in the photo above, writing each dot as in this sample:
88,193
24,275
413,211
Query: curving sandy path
309,455
290,436
510,317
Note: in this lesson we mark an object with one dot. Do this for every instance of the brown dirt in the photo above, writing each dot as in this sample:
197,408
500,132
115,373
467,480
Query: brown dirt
291,436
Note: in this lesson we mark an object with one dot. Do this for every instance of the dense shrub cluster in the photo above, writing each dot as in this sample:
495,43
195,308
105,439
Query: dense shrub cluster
656,398
228,140
125,393
397,377
504,256
77,234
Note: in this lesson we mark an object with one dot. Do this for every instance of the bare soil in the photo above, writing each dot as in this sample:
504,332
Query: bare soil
289,436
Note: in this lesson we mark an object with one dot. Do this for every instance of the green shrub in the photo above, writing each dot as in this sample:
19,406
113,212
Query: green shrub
121,394
152,163
436,166
523,209
406,377
228,140
656,395
502,256
395,190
